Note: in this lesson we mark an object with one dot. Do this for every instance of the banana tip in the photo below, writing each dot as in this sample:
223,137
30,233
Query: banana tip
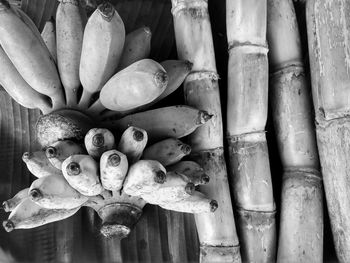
51,152
189,188
114,160
138,135
8,225
106,9
205,179
26,156
5,206
98,140
160,177
161,78
147,30
204,116
213,205
35,194
189,65
73,168
186,149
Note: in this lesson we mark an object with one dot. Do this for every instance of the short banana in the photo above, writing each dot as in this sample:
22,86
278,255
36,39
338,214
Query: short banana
103,43
10,204
32,60
113,169
54,192
144,176
167,152
29,215
137,46
49,36
99,140
82,173
38,164
173,121
191,172
132,143
134,86
59,151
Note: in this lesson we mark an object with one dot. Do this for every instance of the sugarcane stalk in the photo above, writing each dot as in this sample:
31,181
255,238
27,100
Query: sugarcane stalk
329,52
301,220
216,231
246,119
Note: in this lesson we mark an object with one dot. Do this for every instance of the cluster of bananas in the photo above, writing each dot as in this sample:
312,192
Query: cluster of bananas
80,165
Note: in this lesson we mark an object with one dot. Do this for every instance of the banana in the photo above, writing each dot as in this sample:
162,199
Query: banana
191,172
29,215
194,203
18,88
144,176
132,143
99,140
54,192
173,121
134,86
59,151
81,172
10,204
113,169
137,46
38,164
167,152
49,36
103,43
32,60
174,189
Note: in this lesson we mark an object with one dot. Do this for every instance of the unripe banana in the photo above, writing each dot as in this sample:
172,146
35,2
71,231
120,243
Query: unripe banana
99,140
54,192
10,204
134,86
174,189
38,164
70,23
167,152
137,46
174,121
32,60
18,88
195,203
113,169
59,151
49,36
132,143
191,172
144,176
82,173
29,215
103,43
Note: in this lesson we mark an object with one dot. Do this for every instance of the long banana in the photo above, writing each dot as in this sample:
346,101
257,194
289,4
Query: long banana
29,215
18,88
99,140
10,204
32,60
167,152
191,172
173,121
38,164
138,84
81,172
49,36
102,47
70,23
54,192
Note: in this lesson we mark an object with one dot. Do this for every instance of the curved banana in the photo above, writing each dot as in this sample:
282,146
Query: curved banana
113,169
18,88
32,60
99,140
54,192
137,46
132,143
11,204
138,84
29,215
144,176
102,47
167,152
38,164
82,173
191,172
49,36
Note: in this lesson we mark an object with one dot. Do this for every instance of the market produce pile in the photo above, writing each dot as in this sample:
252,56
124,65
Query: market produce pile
134,157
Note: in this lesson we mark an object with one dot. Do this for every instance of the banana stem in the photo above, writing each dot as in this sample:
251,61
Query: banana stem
71,97
58,102
96,109
85,99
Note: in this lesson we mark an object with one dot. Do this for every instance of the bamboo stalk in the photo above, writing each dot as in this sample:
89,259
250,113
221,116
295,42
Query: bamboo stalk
246,119
329,51
216,231
301,222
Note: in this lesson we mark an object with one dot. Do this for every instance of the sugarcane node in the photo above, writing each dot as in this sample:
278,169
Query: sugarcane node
190,188
98,140
203,117
205,179
161,78
51,152
137,135
35,194
8,225
114,160
73,169
106,10
186,149
160,177
26,156
213,205
115,231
